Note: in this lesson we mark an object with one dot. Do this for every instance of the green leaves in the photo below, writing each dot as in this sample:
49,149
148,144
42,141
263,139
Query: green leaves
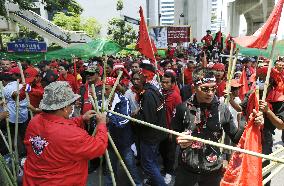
74,22
121,32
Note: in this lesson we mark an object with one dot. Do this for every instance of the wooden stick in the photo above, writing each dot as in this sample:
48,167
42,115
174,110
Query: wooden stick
24,82
121,161
110,168
9,133
279,160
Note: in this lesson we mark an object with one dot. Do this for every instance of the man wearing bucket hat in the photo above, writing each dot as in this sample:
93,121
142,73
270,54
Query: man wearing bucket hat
58,148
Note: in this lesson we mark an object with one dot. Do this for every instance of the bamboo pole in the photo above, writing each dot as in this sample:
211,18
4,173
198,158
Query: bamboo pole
230,77
6,172
17,129
24,82
115,150
121,161
9,133
276,171
266,84
230,59
114,87
104,88
4,139
269,167
95,98
220,145
279,150
110,168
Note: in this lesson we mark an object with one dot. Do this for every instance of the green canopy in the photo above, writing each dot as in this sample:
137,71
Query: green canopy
94,48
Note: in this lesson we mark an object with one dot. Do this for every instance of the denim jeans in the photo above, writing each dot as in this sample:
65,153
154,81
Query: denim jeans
149,162
129,160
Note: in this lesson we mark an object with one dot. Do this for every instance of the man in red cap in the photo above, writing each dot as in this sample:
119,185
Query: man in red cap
35,90
219,69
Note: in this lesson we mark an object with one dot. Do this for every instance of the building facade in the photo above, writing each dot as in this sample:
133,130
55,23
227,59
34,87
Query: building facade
167,12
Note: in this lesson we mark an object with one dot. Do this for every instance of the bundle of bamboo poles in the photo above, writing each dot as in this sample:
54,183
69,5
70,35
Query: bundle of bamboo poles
8,176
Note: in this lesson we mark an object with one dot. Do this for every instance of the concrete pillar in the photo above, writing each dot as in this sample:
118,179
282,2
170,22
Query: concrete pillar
197,14
152,13
233,19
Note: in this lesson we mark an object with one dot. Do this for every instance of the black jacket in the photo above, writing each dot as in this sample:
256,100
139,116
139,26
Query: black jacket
206,121
152,110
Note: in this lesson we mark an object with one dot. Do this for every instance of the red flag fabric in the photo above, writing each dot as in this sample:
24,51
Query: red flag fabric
154,46
245,88
244,169
261,37
144,45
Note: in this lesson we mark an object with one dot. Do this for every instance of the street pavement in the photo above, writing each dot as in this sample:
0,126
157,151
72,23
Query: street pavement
277,180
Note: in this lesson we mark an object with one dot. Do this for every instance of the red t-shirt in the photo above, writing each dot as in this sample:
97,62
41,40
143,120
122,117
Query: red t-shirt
36,95
58,150
207,39
71,80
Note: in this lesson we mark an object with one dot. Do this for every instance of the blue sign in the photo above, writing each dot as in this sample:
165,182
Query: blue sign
23,45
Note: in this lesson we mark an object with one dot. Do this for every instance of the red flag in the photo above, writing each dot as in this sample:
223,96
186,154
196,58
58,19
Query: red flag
144,45
261,37
154,46
244,169
245,88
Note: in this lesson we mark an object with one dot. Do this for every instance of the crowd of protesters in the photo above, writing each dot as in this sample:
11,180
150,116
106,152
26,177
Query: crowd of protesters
186,93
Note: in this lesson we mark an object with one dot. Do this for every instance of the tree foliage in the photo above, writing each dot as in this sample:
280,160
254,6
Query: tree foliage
51,5
121,32
74,22
119,5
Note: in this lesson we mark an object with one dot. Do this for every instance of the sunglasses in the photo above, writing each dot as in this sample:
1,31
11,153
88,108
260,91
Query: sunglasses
208,89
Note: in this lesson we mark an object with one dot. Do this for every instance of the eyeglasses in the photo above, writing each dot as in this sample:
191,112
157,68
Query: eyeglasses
208,89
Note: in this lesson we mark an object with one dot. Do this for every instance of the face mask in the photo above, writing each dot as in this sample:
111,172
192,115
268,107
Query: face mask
72,112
